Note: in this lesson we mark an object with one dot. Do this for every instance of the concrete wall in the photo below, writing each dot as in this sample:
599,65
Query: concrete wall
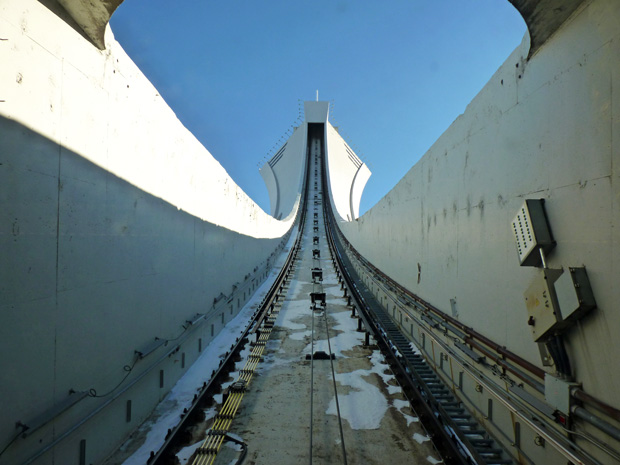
116,227
283,174
547,128
347,175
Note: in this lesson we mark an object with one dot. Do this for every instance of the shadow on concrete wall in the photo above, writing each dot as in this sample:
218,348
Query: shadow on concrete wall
94,268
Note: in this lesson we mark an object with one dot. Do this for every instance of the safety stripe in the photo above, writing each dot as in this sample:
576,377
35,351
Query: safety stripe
208,450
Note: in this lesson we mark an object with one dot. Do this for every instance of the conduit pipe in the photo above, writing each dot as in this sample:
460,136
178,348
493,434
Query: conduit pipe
596,403
522,376
598,422
578,394
536,371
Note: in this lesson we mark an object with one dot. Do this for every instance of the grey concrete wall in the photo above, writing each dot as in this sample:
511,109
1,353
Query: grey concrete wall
116,226
541,128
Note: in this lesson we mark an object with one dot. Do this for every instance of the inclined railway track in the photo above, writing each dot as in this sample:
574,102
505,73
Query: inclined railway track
260,326
459,438
456,433
319,309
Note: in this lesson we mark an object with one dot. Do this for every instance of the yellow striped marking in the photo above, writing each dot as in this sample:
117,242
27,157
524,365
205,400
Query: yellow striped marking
208,450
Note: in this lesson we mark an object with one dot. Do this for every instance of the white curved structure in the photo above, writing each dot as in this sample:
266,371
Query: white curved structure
118,227
347,174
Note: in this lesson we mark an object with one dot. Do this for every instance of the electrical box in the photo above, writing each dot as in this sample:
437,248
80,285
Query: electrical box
557,393
532,233
574,294
544,318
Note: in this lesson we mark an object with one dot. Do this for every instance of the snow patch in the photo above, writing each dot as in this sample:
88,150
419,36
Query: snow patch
345,340
166,414
186,453
400,405
294,310
362,409
299,336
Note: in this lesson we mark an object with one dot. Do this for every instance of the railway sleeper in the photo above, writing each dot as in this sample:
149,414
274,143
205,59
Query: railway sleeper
482,446
481,442
449,404
454,409
472,432
483,451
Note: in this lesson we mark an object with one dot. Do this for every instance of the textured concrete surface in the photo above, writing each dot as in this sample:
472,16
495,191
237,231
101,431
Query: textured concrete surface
543,127
116,227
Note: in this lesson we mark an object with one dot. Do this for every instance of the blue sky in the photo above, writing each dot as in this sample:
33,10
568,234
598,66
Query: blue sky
398,72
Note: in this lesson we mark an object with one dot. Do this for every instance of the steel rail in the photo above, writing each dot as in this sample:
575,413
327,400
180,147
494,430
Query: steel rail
442,439
473,334
265,308
329,345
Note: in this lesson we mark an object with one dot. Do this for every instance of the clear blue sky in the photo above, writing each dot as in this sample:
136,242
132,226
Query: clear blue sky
398,72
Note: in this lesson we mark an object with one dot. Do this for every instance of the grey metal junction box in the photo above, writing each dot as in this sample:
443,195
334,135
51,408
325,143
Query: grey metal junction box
574,294
532,233
544,317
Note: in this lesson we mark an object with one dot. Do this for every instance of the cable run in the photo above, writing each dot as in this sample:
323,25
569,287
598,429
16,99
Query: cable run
331,359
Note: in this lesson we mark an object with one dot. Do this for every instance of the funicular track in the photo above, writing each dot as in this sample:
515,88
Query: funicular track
318,306
258,331
259,326
457,435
